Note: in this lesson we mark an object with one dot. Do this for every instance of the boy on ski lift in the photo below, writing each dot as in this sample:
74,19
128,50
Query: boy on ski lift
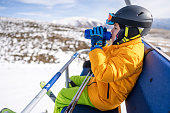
117,67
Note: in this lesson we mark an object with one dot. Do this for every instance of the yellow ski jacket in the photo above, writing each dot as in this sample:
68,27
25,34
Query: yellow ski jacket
116,69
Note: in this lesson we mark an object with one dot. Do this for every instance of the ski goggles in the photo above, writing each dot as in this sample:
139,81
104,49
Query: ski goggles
109,20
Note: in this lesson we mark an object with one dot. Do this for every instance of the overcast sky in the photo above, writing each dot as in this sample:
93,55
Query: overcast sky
51,10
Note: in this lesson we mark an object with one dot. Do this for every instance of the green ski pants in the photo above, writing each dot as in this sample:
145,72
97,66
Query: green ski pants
66,95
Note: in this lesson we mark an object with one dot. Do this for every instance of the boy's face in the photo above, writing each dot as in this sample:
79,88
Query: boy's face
114,31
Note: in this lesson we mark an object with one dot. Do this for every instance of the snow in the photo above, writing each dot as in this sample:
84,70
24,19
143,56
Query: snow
20,84
159,41
20,79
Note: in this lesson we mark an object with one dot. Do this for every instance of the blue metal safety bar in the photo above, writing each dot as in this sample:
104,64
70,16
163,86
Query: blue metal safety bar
38,97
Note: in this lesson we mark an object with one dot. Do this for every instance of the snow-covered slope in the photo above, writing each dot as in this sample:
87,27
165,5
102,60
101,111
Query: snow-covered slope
29,41
31,52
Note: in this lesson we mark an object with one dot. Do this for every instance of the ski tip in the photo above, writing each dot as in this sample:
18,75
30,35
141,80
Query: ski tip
6,110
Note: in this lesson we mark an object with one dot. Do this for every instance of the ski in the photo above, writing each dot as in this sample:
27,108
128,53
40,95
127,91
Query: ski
49,93
6,110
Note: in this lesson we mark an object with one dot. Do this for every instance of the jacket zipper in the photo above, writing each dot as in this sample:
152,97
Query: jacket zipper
108,91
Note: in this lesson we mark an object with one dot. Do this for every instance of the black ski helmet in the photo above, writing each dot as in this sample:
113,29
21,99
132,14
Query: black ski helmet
135,16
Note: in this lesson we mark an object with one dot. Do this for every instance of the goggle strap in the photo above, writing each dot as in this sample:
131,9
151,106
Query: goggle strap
126,31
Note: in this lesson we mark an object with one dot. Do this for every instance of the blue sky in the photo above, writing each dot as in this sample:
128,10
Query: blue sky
51,10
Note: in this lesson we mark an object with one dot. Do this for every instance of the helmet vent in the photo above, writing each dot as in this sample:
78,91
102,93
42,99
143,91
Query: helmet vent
140,13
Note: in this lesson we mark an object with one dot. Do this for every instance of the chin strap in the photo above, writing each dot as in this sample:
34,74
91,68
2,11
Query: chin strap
125,39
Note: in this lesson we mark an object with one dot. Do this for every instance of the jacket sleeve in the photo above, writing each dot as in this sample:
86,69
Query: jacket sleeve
115,68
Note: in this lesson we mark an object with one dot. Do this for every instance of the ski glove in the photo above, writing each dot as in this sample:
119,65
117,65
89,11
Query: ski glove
97,40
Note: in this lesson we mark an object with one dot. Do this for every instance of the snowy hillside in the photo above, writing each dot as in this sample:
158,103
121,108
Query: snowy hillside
29,41
31,52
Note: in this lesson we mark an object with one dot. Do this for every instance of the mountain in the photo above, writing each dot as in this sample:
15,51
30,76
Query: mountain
89,23
81,22
161,23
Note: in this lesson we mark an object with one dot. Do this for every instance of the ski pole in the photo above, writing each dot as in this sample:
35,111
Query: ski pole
78,97
78,93
69,106
38,97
